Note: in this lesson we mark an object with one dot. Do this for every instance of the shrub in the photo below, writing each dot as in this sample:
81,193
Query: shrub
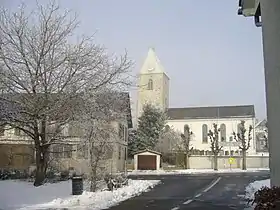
64,175
267,198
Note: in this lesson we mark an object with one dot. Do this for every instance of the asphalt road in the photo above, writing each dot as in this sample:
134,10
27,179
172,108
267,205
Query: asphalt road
194,191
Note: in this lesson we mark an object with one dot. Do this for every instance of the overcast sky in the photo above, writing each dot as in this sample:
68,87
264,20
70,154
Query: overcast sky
212,55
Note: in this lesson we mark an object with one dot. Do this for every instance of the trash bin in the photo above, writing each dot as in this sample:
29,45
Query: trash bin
77,185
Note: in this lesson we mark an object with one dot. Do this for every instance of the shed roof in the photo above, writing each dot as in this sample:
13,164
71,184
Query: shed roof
147,150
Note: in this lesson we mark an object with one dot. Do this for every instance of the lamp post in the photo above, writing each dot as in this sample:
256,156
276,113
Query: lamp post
267,15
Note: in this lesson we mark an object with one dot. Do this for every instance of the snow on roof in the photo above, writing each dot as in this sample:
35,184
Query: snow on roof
147,150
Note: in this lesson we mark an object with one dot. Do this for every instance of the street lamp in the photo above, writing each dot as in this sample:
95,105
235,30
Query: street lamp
269,11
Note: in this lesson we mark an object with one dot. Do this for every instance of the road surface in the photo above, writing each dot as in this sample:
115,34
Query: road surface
194,191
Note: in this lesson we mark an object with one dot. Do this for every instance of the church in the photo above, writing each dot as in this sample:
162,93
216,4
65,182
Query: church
153,88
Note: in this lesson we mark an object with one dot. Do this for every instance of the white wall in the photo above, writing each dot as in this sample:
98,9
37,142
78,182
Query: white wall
206,162
196,127
146,153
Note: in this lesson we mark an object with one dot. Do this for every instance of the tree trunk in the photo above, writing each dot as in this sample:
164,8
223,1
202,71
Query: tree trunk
244,165
41,166
94,161
215,157
187,159
93,180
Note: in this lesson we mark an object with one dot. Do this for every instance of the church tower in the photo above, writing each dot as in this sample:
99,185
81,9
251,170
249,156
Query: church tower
153,84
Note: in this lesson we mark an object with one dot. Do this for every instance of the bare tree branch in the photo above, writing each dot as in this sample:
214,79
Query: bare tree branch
43,75
244,141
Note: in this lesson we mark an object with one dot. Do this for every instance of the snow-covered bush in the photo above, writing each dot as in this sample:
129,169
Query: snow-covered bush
267,198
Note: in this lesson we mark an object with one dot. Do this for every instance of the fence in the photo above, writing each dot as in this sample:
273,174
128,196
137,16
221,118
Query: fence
205,162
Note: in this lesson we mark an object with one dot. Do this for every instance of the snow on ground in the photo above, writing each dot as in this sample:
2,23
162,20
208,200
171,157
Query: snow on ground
192,171
22,195
255,186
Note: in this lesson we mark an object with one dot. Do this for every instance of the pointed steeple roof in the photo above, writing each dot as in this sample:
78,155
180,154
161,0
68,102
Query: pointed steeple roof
152,63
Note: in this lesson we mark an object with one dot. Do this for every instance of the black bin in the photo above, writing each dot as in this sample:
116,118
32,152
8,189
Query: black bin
77,185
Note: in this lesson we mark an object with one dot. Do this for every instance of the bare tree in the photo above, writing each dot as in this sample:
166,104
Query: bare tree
166,140
244,141
99,116
43,72
214,141
169,142
99,140
185,142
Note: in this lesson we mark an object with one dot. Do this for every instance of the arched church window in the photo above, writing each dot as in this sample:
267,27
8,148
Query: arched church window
186,128
223,132
167,128
150,84
204,133
239,126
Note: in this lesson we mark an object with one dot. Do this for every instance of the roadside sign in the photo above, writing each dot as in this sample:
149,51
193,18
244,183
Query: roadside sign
231,160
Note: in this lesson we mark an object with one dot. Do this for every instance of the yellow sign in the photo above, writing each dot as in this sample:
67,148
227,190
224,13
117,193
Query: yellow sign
231,160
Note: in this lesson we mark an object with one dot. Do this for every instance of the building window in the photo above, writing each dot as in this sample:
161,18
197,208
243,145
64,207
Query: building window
121,131
223,132
226,153
167,128
186,128
120,152
17,131
150,84
125,153
231,153
239,128
125,134
67,151
62,151
204,133
57,151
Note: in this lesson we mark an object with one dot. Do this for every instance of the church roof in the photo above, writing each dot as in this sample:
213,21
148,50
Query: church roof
152,63
211,112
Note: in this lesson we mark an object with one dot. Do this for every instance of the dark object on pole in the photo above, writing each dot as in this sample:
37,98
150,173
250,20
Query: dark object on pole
249,8
77,185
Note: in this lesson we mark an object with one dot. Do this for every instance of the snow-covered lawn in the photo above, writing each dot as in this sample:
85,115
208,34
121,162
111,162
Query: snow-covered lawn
22,195
255,186
192,171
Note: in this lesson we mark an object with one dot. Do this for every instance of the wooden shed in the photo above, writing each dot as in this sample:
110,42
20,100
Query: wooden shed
147,160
